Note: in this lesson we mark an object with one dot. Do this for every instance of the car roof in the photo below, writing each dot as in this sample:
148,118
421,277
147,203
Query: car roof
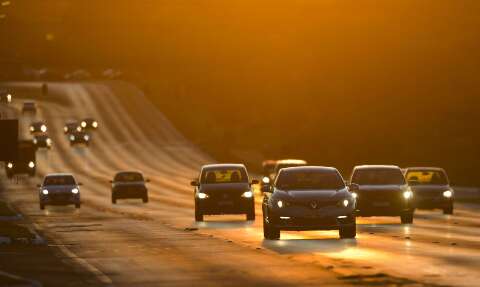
59,174
129,171
223,165
424,168
310,168
29,103
291,161
376,166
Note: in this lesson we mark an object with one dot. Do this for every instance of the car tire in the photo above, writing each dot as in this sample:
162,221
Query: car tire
77,205
270,232
406,218
198,215
42,206
145,199
251,215
448,210
348,231
114,200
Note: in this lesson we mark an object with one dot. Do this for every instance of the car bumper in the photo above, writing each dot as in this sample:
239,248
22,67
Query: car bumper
129,194
329,218
237,206
59,199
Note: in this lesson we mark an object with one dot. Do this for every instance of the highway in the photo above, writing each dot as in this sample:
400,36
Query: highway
159,243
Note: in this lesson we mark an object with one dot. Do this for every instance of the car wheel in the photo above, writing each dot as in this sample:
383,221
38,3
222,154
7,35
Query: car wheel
77,205
251,215
198,215
270,232
145,199
348,231
448,210
114,200
42,206
406,218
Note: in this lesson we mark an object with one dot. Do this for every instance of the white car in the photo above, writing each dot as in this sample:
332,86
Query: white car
59,189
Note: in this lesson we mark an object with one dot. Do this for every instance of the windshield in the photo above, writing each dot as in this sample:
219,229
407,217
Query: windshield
326,180
59,180
378,177
227,175
419,177
129,177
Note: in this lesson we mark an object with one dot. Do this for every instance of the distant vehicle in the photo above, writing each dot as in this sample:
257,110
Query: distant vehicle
38,127
42,141
129,184
71,127
279,164
29,107
431,188
224,189
79,138
78,75
268,167
382,190
5,97
309,198
89,124
26,161
59,189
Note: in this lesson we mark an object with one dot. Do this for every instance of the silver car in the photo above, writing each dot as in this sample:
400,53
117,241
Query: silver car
59,189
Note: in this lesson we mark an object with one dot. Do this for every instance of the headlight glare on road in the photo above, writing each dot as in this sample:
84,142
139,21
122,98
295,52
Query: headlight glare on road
45,191
280,204
266,180
447,193
10,165
75,190
202,195
31,164
407,194
247,194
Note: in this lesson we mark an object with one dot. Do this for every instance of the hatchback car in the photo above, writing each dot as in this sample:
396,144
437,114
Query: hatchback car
38,127
42,141
129,184
431,188
59,189
71,127
224,189
382,190
89,124
79,138
29,107
309,198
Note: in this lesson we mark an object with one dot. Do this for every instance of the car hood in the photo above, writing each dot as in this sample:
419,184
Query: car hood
225,187
388,187
59,188
429,188
305,195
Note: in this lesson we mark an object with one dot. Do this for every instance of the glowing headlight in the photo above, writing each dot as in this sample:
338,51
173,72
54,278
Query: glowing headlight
45,192
354,195
280,204
345,203
447,193
72,138
202,195
79,128
65,129
84,124
49,141
32,129
10,165
86,137
95,124
35,141
43,128
247,194
408,194
31,164
75,190
9,98
266,180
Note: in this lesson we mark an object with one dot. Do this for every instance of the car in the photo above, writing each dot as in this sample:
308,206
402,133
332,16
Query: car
279,164
309,198
38,127
89,124
5,97
59,189
79,138
431,188
224,189
129,184
29,107
268,167
25,163
71,127
382,190
42,141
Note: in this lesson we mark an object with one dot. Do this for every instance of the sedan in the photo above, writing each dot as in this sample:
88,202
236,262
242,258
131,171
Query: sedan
38,127
79,138
129,184
89,124
223,189
308,198
71,127
59,189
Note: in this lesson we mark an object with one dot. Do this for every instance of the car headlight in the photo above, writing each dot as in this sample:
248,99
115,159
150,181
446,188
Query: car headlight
10,165
407,194
65,129
45,191
72,138
49,141
31,164
79,128
75,190
266,180
345,202
84,124
95,124
32,129
247,194
202,195
354,195
447,193
35,141
9,98
280,204
43,128
85,137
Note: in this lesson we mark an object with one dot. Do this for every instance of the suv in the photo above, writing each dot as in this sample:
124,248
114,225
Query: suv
381,190
431,187
309,198
129,184
224,189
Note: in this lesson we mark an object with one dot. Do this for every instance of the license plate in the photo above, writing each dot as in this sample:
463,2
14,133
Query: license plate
381,203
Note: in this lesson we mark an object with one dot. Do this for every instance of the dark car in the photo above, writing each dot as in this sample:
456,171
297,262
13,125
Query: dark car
382,190
42,141
71,127
309,198
29,107
38,127
5,97
89,124
268,167
79,138
59,189
25,163
431,188
224,189
129,184
279,164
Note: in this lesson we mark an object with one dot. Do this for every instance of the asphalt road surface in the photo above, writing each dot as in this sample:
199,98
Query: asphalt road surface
158,243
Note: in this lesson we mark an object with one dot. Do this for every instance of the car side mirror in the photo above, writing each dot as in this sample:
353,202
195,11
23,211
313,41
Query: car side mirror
39,185
194,183
353,187
79,184
147,180
255,181
111,181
